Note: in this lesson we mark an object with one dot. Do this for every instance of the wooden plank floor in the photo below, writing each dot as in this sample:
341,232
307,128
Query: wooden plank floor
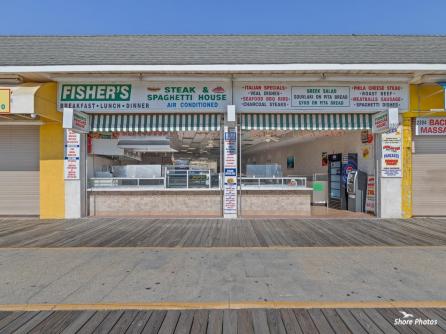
262,321
145,232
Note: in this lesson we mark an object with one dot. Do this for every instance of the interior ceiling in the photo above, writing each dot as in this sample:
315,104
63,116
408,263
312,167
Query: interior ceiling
207,144
196,143
256,140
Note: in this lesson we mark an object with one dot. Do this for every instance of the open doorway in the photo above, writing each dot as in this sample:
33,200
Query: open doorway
305,172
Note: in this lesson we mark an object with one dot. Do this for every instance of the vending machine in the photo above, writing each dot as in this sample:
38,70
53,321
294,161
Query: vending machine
334,180
339,166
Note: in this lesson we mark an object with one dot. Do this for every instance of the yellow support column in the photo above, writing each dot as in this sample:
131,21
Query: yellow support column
425,101
52,188
406,182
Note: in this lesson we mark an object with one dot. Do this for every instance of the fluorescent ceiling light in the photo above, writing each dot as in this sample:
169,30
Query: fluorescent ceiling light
95,78
297,77
372,78
186,79
324,77
10,79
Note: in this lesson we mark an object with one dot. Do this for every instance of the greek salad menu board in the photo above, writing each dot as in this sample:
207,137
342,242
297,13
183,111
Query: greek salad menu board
274,97
230,173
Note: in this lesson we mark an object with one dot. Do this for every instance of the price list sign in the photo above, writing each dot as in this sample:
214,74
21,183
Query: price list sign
230,173
72,155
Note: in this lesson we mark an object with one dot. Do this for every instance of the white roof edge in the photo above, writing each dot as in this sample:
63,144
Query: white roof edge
221,68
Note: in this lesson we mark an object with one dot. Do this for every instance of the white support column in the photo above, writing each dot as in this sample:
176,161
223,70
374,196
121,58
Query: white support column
390,175
230,173
75,181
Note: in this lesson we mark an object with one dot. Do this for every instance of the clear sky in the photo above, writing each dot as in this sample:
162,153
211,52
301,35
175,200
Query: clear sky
90,17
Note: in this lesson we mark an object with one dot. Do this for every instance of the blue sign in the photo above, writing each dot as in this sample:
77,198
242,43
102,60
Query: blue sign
230,172
231,135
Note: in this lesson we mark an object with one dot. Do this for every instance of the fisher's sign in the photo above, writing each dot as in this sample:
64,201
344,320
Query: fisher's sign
292,97
144,96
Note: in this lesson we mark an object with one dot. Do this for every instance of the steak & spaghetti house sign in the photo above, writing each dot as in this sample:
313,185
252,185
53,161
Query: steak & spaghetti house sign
141,96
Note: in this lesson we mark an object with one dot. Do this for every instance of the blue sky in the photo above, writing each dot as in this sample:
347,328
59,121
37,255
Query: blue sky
89,17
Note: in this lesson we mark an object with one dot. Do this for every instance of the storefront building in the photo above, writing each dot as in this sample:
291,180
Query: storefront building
363,138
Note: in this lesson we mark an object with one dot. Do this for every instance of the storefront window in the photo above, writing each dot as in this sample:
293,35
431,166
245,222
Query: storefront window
154,160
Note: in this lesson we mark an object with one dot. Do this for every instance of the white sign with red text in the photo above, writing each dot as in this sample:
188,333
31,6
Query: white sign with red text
371,195
288,96
72,155
391,154
385,121
76,120
230,173
430,126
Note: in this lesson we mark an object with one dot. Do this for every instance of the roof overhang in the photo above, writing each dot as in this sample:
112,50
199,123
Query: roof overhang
224,68
31,100
409,73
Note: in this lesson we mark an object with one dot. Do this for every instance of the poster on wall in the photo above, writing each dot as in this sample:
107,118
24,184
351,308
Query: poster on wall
391,154
324,159
430,126
230,173
72,155
288,96
144,96
366,137
290,162
371,195
365,151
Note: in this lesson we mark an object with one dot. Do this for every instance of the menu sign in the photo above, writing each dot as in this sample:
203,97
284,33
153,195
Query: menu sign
72,155
391,154
371,195
288,97
144,96
230,173
76,121
430,126
323,97
385,120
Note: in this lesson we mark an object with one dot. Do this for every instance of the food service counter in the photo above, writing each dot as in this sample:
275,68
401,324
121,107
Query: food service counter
154,203
275,203
124,201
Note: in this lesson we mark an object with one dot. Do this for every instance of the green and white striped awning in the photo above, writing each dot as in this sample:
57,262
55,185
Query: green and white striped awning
155,122
306,121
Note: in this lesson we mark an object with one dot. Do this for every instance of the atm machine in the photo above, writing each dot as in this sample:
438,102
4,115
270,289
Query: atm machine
356,190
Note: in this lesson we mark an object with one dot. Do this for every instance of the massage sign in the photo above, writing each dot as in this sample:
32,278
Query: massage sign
430,126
